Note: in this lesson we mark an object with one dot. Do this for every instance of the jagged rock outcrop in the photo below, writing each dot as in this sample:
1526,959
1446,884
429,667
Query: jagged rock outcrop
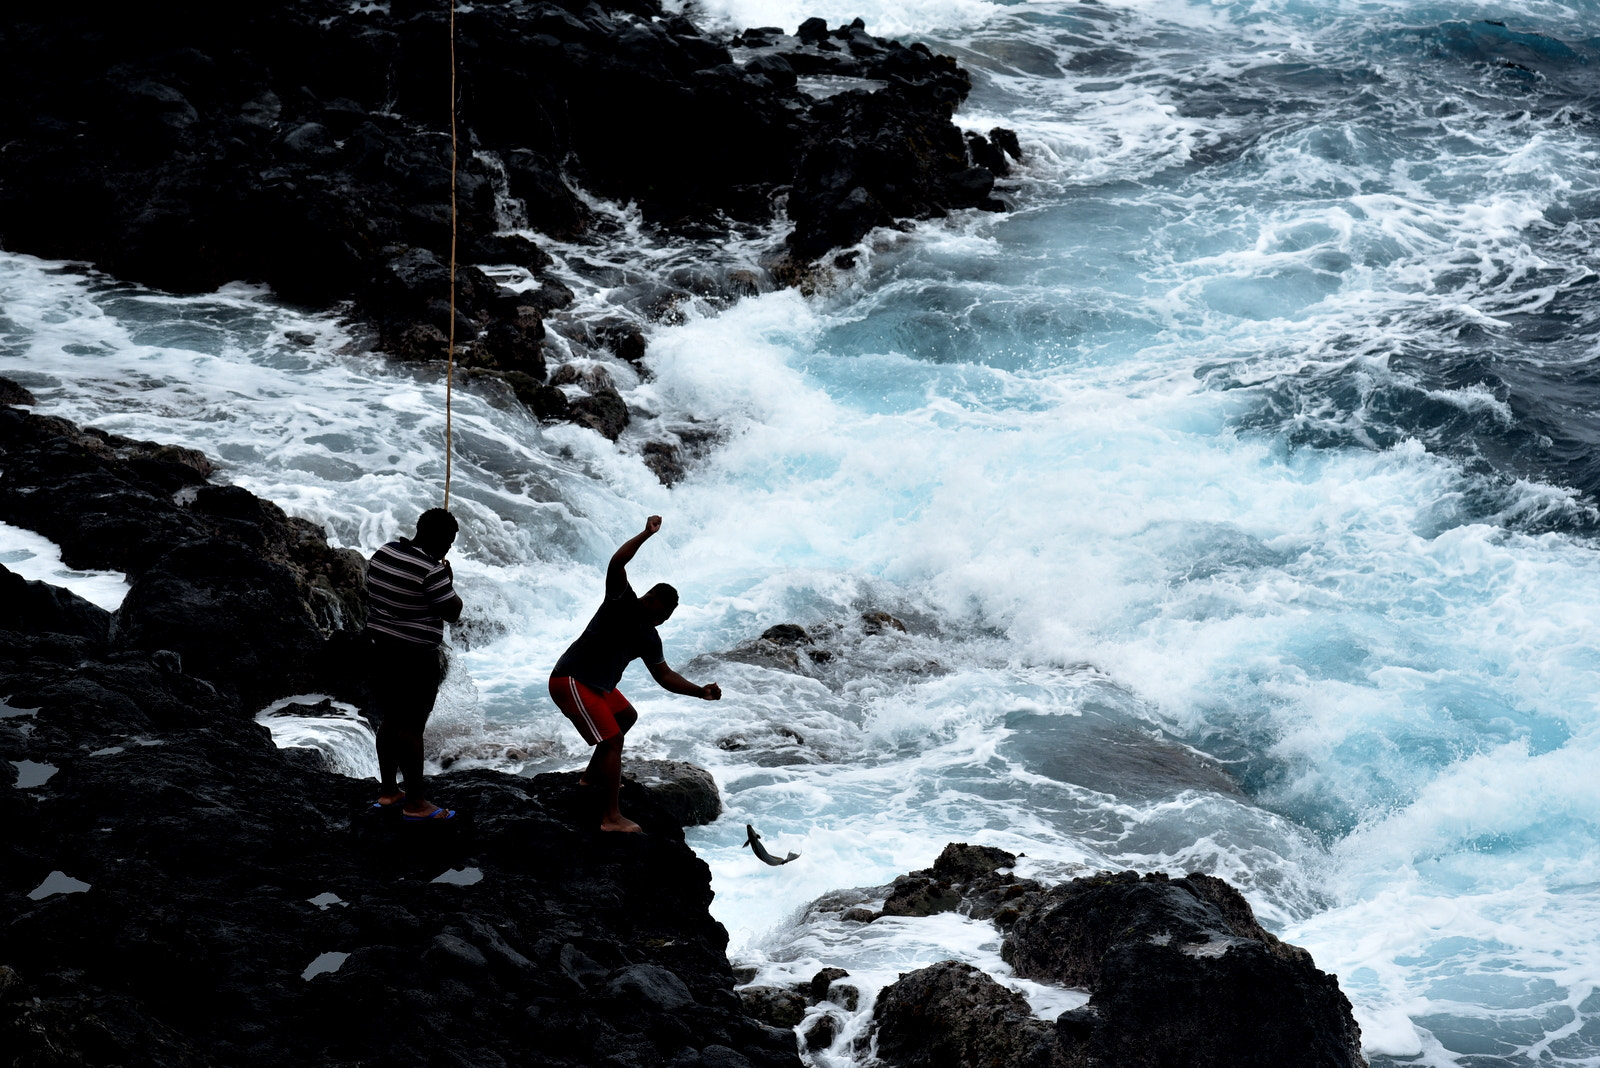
952,1015
305,143
1179,974
965,878
244,595
39,605
115,504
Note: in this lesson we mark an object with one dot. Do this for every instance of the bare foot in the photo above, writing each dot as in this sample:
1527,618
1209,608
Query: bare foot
621,823
385,800
582,781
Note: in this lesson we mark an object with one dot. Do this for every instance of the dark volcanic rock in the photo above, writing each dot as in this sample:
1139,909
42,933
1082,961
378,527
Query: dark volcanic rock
553,208
205,907
1181,973
876,157
824,980
773,1005
683,789
12,393
179,891
241,591
952,1015
80,490
235,619
822,1032
39,608
603,411
965,878
545,401
664,459
307,143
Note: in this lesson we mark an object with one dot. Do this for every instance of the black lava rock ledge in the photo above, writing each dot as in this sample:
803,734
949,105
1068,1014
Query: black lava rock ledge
179,891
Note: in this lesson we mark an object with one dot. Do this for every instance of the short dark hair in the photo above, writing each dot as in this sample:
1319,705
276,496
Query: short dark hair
436,524
663,593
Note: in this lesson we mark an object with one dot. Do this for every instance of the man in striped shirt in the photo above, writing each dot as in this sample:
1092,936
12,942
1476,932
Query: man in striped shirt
410,595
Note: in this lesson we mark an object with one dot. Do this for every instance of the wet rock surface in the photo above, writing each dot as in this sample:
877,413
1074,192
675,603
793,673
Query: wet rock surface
1108,754
244,595
683,789
966,878
952,1015
834,651
306,144
179,891
1179,971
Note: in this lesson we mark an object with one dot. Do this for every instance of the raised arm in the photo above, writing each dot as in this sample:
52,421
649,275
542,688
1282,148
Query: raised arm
616,571
671,680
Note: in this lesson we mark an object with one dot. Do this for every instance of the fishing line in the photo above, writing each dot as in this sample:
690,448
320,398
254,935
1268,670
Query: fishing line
450,366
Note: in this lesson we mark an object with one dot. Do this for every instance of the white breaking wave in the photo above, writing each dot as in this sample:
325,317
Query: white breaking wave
1134,467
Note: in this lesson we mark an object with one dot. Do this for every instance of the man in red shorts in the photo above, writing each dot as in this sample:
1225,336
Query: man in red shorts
584,681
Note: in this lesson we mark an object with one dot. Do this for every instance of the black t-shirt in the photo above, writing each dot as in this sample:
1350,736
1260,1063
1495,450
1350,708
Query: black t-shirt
617,633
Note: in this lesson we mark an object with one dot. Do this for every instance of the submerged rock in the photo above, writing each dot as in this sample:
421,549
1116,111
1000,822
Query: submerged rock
774,1005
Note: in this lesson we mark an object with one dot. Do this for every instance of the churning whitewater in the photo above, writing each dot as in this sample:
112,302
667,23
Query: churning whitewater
1235,492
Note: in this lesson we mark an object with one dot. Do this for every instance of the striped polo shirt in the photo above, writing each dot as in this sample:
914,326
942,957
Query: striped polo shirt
406,590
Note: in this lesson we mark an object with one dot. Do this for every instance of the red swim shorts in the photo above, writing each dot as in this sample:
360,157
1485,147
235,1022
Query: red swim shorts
594,714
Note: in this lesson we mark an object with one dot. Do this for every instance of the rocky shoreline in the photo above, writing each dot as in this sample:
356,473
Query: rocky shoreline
306,144
181,891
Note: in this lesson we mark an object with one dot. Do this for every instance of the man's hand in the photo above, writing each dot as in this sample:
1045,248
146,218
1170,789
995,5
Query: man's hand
625,553
676,683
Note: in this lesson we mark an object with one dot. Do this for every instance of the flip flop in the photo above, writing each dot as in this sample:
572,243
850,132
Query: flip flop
389,804
436,814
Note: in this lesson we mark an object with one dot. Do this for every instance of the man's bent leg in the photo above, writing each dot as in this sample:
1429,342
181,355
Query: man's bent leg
597,716
592,775
608,754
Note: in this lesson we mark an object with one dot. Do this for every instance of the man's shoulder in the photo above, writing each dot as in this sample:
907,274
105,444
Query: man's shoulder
402,555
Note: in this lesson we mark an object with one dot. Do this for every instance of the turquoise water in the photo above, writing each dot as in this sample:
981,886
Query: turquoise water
1235,492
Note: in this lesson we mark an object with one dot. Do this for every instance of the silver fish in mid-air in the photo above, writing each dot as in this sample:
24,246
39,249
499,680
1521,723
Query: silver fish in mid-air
754,842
